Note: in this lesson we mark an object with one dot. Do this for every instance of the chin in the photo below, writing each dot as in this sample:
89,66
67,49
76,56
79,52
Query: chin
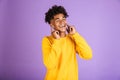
62,30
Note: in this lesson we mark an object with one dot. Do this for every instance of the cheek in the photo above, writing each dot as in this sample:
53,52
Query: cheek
65,22
57,24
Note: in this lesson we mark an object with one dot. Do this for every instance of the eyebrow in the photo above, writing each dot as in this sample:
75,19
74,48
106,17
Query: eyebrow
58,18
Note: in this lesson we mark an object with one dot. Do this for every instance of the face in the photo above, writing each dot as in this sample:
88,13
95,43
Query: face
59,23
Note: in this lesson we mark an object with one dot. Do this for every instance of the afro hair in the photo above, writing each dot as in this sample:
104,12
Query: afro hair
54,11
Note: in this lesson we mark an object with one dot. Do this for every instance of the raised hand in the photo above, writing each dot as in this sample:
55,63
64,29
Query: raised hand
55,34
71,29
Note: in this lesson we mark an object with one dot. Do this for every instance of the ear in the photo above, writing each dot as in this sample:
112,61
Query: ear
52,28
52,25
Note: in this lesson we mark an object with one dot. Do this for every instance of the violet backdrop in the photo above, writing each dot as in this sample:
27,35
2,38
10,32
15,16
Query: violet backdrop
22,28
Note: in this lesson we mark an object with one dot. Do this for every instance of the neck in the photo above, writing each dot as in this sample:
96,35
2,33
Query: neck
62,34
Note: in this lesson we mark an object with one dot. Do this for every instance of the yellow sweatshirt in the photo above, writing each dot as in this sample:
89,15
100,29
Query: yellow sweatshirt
59,56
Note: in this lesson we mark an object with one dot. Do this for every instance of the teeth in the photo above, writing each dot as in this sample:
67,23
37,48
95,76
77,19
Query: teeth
62,26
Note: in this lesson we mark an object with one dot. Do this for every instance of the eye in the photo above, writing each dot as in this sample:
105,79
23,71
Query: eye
57,20
64,18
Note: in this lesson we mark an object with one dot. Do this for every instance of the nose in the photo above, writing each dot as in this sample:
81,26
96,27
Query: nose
62,22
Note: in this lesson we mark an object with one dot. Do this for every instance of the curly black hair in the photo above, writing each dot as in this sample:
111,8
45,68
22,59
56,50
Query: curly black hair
54,11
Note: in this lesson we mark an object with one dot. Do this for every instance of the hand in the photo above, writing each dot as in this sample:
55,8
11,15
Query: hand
55,34
71,29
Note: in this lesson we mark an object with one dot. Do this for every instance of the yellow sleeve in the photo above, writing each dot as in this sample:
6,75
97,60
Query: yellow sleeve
82,48
50,52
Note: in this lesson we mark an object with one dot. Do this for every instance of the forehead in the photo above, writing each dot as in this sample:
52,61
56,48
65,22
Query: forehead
59,16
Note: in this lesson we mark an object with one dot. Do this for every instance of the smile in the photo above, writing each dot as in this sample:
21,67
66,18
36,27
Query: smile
62,26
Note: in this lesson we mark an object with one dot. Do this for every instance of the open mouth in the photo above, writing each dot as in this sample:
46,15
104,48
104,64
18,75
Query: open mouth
62,26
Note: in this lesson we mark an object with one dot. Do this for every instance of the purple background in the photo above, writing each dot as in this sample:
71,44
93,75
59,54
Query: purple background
22,27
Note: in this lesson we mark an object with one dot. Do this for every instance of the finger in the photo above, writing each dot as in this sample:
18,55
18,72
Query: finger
71,29
68,29
57,32
68,25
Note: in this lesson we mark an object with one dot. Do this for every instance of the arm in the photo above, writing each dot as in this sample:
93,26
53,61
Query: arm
82,48
51,52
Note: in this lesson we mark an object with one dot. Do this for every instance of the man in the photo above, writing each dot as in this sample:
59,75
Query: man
60,48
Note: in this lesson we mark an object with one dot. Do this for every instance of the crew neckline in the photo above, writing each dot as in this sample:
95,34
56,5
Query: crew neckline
64,37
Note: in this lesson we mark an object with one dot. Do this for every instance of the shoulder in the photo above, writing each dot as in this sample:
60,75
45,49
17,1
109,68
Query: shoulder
47,39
